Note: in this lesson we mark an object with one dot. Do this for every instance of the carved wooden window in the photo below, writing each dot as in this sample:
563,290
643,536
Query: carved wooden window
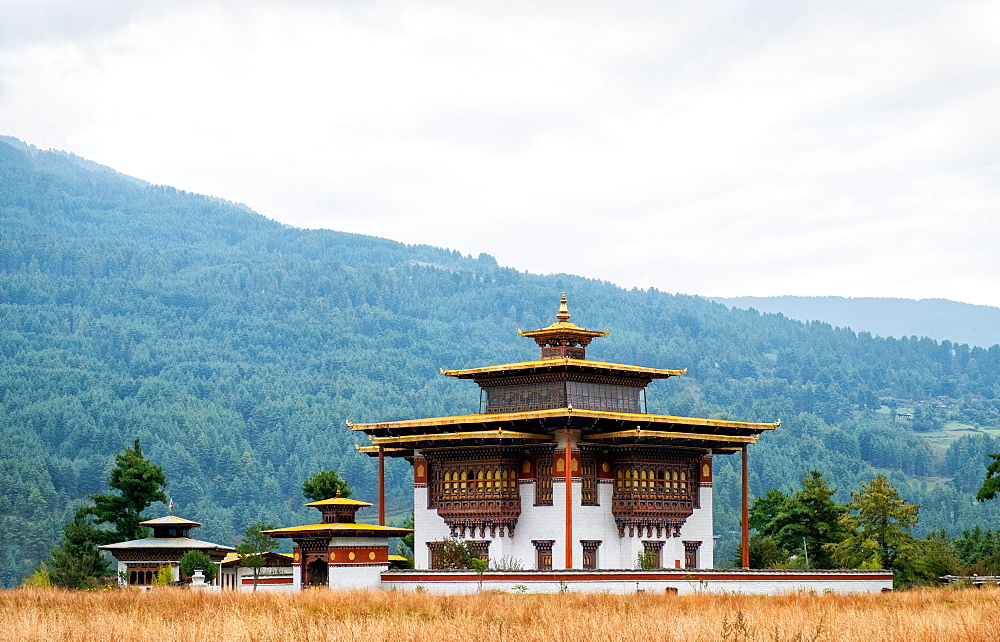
543,482
655,551
588,486
654,489
595,396
543,554
590,547
691,554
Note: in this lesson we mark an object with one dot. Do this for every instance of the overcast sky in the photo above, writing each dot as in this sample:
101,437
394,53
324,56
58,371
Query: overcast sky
714,148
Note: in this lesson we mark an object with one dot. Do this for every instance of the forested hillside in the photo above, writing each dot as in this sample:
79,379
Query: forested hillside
977,325
235,348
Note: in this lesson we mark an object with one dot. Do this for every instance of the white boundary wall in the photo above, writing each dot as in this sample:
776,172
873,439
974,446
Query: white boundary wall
750,582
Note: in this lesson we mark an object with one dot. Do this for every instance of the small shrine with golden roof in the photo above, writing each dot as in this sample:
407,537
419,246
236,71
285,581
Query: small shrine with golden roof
564,467
339,552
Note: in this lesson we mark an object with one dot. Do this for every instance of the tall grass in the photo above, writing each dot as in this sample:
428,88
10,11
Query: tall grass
170,614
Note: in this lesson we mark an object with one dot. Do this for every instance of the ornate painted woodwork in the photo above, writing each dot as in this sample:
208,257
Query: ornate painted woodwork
543,483
654,491
475,491
654,549
563,390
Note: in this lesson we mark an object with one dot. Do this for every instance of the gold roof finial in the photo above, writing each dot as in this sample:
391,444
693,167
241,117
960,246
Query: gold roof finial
338,491
563,314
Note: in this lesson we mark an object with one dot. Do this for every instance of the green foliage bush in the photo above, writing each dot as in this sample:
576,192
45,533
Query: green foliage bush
192,560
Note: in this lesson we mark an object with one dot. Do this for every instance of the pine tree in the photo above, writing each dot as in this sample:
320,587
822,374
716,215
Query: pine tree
78,563
324,485
878,524
139,483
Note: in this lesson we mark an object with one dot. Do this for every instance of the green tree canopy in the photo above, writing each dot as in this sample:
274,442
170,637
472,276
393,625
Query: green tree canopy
255,542
324,485
139,483
198,559
991,485
764,553
803,522
877,525
77,563
455,554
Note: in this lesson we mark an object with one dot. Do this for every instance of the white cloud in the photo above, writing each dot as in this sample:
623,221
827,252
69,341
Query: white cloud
723,149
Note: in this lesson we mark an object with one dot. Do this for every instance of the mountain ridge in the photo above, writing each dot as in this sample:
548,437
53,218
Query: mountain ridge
236,348
939,319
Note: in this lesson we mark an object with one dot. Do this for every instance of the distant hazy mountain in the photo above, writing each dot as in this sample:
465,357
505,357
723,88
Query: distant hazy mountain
939,319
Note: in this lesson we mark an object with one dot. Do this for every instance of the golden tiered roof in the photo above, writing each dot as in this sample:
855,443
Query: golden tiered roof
339,501
563,359
399,438
548,365
563,330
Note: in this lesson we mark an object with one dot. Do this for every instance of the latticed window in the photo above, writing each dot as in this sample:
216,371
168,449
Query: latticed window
590,547
653,479
588,479
543,554
543,482
691,550
654,489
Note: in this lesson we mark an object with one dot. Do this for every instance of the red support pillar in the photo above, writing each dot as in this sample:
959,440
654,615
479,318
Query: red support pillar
569,502
745,521
381,486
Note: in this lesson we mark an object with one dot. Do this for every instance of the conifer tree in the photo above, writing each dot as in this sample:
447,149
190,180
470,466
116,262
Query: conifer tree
78,563
324,485
991,484
878,524
139,483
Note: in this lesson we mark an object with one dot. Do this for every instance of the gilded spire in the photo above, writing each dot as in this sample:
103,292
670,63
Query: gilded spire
563,339
563,314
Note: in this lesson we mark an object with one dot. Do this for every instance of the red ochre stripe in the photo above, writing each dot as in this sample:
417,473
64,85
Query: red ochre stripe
269,580
587,577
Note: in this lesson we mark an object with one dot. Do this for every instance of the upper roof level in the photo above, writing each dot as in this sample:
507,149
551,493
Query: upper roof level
564,352
563,339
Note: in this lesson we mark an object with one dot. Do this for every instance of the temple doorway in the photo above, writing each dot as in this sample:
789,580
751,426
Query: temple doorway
319,573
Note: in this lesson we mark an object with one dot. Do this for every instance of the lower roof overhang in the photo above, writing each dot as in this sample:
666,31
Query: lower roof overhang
401,438
339,530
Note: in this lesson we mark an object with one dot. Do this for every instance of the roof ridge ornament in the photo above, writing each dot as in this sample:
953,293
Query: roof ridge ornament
563,314
563,339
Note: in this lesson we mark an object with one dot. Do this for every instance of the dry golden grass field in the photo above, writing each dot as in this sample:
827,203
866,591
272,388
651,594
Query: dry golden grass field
170,614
